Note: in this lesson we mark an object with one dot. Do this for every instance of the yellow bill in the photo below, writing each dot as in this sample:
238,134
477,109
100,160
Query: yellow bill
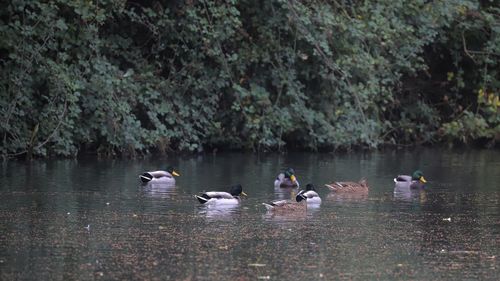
243,193
292,177
422,179
175,173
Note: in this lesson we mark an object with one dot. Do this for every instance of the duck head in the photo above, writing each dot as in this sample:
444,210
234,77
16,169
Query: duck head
418,176
310,186
290,174
300,196
237,190
171,170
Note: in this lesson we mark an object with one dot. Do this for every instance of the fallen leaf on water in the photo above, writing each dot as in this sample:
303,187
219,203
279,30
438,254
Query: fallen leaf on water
256,264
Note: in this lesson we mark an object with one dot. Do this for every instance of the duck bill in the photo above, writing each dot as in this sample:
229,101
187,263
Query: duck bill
292,177
422,179
174,173
243,193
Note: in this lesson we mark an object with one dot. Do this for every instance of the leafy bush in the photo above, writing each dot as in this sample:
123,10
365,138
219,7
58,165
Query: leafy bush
118,78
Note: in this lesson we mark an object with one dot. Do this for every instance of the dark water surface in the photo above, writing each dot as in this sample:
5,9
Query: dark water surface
91,220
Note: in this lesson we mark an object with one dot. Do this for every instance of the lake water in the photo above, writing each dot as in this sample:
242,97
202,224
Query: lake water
91,220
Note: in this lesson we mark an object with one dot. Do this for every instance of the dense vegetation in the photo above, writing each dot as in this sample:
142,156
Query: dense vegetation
117,77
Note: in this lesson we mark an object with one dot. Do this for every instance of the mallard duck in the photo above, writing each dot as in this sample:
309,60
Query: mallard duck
286,206
286,179
309,194
349,186
165,177
416,180
222,197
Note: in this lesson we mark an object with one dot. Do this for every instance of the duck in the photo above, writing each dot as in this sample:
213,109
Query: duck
309,195
286,179
232,197
416,180
164,177
349,186
286,206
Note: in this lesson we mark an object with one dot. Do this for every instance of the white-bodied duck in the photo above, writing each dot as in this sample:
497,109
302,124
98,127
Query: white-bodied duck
416,180
309,195
286,179
222,197
163,177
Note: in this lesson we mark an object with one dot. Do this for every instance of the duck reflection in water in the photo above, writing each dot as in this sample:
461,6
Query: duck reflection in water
161,190
346,197
285,193
218,212
405,193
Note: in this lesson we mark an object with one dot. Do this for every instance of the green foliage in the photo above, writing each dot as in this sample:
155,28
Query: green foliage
118,78
485,123
474,38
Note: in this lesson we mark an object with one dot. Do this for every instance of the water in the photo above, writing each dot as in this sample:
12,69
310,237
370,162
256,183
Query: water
90,219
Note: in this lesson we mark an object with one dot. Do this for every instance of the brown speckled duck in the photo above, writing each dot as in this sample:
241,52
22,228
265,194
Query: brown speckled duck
349,186
286,206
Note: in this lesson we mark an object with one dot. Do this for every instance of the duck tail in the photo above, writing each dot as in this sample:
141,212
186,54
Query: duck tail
201,199
146,177
330,186
268,206
363,182
335,186
300,196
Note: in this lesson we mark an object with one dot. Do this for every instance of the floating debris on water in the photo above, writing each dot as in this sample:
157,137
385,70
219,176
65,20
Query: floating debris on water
257,264
267,277
447,219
